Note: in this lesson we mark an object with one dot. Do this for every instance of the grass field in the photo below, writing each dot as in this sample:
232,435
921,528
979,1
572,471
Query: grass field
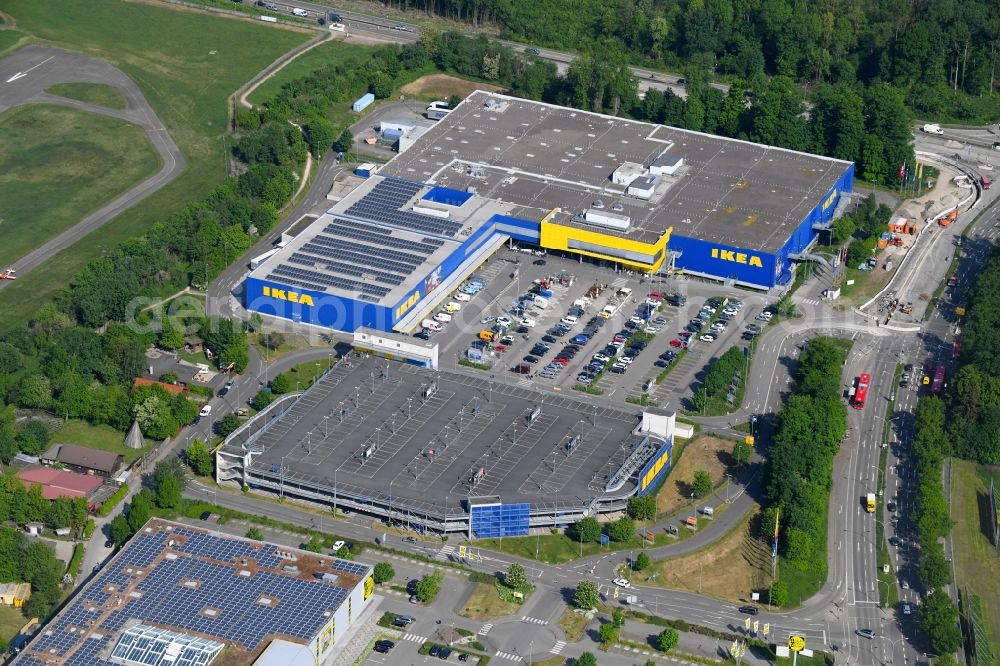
730,568
92,93
977,563
486,604
99,437
56,165
442,86
573,624
187,64
8,38
328,53
11,622
707,453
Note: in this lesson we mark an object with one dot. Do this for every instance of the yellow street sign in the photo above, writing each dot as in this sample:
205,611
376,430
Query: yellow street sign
616,591
796,643
756,626
461,551
747,625
749,439
767,628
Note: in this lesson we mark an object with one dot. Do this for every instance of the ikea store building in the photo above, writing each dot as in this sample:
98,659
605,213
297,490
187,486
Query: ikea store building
646,197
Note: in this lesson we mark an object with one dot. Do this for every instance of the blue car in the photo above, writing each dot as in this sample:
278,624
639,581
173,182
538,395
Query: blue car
580,339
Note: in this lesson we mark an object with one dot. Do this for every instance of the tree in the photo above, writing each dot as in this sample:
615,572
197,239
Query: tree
643,562
281,384
429,586
344,142
785,307
939,622
226,425
33,437
621,530
934,570
168,493
642,507
118,530
586,595
515,578
742,452
701,485
60,513
587,530
321,135
779,593
261,400
609,634
169,467
668,639
586,659
315,544
254,533
139,510
384,572
199,459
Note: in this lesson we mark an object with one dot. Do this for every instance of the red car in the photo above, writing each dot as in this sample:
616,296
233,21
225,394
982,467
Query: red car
685,335
675,343
561,361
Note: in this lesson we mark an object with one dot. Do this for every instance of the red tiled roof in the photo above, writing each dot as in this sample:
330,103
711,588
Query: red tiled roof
60,483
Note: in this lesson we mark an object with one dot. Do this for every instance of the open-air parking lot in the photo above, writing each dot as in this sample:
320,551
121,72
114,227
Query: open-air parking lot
556,323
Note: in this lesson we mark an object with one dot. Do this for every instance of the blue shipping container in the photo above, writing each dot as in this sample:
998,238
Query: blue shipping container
363,103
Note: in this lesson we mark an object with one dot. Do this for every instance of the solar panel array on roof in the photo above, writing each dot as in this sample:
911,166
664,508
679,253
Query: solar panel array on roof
193,584
384,201
300,277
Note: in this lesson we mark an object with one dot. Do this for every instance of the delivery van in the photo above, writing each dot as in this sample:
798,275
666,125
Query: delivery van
442,317
430,325
300,12
486,336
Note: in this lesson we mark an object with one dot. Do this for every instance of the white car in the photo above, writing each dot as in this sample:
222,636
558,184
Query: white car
337,545
461,297
602,358
621,582
708,337
652,330
765,316
627,360
637,320
205,411
504,321
529,322
569,320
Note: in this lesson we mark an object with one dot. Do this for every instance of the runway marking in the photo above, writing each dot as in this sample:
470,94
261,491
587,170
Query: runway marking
21,75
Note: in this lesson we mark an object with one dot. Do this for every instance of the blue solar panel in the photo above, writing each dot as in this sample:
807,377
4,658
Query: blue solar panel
384,201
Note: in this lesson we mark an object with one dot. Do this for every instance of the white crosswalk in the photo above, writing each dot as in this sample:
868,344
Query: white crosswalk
444,553
414,638
508,655
558,647
533,620
808,301
485,629
620,282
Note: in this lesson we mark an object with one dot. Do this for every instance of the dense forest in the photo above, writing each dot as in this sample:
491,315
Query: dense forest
942,56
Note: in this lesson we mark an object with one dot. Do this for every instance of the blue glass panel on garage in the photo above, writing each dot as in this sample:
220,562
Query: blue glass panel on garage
500,520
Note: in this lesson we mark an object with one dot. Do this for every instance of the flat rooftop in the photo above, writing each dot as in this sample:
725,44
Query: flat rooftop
209,587
369,428
372,246
539,156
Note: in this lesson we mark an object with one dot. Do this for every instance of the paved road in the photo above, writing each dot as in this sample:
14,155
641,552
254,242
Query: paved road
26,73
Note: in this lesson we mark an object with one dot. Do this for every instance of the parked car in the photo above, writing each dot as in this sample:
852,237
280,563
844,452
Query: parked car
749,610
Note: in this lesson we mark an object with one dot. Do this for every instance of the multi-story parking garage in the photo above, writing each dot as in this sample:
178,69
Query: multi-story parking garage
646,197
448,452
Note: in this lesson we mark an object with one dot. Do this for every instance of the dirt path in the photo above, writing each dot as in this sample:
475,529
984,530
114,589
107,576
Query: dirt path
279,65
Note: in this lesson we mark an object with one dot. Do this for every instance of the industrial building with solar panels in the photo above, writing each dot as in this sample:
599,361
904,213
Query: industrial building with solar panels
649,198
179,596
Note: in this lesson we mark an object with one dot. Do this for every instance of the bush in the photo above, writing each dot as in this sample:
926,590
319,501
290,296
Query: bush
701,486
254,533
75,561
668,639
642,507
429,586
586,595
779,593
621,530
609,635
109,504
261,400
384,572
586,530
88,529
480,577
643,562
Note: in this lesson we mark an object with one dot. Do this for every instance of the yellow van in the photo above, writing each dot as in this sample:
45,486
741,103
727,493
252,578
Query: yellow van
486,336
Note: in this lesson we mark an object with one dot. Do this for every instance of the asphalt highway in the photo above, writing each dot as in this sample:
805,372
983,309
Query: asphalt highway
24,76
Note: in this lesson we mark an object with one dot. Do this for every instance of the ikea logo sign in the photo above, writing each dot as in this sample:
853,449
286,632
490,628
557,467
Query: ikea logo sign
737,257
407,304
829,200
290,296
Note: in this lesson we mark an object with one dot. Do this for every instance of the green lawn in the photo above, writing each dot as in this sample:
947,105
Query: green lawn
328,53
100,437
11,620
58,164
977,563
8,38
187,64
92,93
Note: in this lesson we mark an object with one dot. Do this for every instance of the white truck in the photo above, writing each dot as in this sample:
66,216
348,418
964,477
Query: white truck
932,128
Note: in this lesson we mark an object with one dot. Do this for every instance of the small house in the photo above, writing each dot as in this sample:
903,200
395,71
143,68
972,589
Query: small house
35,529
83,460
14,594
